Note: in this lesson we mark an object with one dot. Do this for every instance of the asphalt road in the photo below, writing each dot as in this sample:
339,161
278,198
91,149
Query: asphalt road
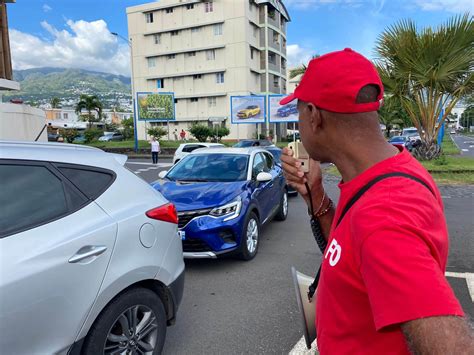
231,306
465,143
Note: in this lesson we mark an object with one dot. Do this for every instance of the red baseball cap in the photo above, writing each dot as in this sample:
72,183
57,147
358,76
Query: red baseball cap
333,81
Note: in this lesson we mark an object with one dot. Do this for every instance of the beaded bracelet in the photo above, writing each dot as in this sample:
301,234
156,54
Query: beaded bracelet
326,210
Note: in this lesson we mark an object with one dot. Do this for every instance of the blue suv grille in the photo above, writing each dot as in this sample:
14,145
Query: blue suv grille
186,216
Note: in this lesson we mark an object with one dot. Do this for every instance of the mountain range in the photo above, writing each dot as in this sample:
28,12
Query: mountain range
40,85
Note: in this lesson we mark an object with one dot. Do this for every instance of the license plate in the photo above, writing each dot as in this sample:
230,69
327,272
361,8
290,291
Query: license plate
182,235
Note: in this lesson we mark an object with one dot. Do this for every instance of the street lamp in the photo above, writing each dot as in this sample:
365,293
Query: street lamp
135,125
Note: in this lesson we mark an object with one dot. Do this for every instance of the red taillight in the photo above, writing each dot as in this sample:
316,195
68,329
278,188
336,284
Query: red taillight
166,213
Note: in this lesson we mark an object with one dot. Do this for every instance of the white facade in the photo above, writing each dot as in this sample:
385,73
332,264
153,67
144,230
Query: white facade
207,51
22,123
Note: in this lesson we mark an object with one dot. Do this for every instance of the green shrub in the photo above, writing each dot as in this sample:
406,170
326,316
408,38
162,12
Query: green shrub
92,134
201,132
157,132
441,160
69,134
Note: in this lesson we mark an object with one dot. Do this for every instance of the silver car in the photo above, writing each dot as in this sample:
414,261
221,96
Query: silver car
90,260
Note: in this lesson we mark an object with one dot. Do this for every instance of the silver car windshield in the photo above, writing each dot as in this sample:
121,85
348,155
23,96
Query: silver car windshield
211,167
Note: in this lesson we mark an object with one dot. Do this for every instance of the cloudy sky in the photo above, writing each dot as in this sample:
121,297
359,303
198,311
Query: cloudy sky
76,34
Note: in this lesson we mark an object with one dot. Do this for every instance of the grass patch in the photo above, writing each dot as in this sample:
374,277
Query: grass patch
448,146
453,178
448,164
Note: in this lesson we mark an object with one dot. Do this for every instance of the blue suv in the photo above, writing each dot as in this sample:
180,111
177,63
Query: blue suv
223,196
287,110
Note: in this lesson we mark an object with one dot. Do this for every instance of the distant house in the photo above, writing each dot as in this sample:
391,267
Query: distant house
67,117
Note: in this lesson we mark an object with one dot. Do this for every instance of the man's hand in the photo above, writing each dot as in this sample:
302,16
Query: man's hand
439,335
296,178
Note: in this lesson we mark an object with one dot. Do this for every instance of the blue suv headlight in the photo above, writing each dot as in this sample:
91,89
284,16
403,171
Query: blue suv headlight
231,210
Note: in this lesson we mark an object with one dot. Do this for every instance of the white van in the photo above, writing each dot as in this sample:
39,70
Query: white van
186,148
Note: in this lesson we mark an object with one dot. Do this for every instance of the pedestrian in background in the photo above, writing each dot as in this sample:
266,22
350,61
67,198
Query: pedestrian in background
183,135
155,150
381,285
175,134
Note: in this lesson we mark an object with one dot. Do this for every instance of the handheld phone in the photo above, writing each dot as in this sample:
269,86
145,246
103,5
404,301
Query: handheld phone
301,154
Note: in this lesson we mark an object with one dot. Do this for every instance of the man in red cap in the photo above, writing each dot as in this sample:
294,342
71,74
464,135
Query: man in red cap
382,287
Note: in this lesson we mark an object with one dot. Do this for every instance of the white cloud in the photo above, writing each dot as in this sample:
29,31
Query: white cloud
83,45
298,55
446,5
47,8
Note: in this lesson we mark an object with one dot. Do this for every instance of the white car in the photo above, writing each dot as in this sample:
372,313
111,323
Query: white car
90,262
186,148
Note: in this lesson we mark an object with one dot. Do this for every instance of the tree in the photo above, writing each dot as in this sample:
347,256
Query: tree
428,70
392,115
157,132
201,132
467,117
128,130
219,132
89,103
69,134
301,69
55,102
92,134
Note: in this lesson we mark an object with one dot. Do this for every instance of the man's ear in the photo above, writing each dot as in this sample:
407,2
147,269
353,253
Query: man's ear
315,118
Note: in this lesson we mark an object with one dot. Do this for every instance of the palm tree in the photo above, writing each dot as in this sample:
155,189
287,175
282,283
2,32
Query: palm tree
55,102
301,69
428,70
392,114
89,103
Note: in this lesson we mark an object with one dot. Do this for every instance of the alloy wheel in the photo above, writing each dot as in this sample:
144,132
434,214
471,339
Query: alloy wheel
252,236
134,332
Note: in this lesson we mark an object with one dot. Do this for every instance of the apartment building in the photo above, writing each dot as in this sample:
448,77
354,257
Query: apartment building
207,51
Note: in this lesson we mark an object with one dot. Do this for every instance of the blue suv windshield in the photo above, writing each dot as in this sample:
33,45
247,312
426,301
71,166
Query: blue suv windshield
211,167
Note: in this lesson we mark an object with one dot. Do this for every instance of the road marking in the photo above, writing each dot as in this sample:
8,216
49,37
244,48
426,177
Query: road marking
471,146
300,348
465,150
469,276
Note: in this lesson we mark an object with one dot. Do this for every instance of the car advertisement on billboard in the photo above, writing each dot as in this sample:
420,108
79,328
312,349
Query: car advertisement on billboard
281,113
156,106
247,109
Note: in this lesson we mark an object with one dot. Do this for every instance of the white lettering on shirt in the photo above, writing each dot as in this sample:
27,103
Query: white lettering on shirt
335,251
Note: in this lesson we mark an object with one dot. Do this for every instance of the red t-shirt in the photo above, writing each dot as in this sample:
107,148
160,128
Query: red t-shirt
384,264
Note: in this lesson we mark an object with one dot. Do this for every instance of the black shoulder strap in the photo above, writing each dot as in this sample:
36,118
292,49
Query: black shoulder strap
354,199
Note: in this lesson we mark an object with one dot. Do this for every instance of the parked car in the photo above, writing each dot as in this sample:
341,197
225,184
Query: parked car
91,261
245,143
287,110
80,139
399,140
223,197
109,136
186,148
53,137
276,152
249,111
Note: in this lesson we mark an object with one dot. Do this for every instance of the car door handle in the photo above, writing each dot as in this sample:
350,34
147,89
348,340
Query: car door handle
87,252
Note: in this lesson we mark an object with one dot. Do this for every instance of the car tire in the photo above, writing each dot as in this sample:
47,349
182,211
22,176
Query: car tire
251,229
283,208
150,313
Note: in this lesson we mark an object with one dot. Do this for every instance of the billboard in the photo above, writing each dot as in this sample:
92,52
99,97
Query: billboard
247,109
156,106
278,113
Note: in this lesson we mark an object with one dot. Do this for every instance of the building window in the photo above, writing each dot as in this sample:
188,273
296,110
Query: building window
189,6
58,115
149,17
157,39
212,101
271,14
169,11
250,5
171,56
65,116
255,32
218,29
151,62
220,78
197,76
160,83
208,6
194,99
283,63
251,53
174,33
195,29
276,81
276,37
211,54
191,54
272,58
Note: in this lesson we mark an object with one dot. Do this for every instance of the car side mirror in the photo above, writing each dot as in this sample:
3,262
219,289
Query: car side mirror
162,174
264,177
